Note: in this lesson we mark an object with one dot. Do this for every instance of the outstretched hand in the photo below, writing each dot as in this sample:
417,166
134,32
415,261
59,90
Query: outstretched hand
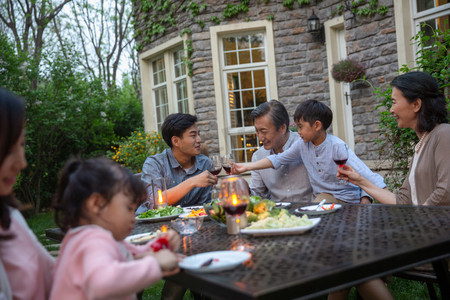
238,168
349,174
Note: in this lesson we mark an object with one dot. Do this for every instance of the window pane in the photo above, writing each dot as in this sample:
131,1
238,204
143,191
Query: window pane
179,65
183,106
260,96
246,80
259,78
182,98
257,40
231,59
236,118
233,81
159,72
244,57
428,4
247,99
258,55
243,147
247,120
229,44
243,42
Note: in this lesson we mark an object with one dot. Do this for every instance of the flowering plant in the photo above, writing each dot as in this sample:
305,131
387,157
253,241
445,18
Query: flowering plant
134,150
347,70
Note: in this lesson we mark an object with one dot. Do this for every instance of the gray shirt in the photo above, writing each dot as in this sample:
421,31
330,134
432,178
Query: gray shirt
289,182
322,169
166,165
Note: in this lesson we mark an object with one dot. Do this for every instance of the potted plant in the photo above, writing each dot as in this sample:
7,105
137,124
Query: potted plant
347,70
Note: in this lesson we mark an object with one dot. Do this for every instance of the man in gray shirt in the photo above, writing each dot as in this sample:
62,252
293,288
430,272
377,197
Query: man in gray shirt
289,182
185,169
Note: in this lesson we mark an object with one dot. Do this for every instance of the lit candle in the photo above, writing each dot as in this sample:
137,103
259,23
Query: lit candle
160,198
234,200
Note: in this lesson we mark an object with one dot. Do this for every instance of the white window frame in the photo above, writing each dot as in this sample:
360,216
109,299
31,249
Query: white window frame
220,71
146,59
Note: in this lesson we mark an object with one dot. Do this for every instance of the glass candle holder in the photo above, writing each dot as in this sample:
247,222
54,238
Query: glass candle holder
234,195
159,192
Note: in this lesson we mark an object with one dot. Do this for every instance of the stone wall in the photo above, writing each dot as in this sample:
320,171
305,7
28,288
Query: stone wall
301,63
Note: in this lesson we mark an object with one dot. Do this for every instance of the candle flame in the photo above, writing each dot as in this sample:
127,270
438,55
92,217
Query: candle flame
234,199
160,197
164,228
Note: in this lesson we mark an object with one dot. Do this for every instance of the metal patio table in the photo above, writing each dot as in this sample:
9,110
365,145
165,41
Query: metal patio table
349,246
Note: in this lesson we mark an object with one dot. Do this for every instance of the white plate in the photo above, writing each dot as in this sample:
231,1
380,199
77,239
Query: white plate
281,231
311,210
132,238
158,219
283,204
188,209
222,260
185,216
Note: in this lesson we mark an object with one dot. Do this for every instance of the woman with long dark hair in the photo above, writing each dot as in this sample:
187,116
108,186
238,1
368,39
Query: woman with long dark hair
417,104
26,268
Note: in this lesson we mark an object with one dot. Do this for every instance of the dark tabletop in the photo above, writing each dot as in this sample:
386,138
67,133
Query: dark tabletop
349,246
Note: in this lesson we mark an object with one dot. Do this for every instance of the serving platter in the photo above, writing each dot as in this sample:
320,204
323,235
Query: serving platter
281,231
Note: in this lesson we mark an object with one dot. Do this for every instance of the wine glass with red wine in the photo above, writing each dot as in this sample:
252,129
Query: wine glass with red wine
340,157
226,160
215,168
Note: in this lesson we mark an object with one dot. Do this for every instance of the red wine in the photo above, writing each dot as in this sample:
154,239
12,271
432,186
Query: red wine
227,169
216,172
235,210
340,162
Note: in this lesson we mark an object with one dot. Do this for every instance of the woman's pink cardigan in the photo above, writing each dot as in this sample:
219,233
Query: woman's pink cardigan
28,265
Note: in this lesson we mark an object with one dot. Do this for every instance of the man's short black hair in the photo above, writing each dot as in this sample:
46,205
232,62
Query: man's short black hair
176,125
277,112
313,110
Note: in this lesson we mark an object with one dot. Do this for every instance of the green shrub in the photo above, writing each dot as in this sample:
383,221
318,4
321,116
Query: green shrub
133,151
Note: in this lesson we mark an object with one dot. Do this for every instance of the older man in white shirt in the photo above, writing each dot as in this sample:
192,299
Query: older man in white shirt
290,182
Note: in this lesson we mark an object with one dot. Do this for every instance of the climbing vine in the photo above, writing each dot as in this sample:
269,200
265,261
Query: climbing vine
160,15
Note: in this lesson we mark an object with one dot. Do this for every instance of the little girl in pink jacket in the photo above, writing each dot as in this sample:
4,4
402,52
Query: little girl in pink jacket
95,204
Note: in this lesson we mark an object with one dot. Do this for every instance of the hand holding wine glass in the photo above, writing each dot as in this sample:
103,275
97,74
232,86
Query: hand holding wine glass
216,165
215,168
226,163
340,157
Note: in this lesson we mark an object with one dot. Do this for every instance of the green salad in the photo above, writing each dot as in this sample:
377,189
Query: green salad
161,212
283,220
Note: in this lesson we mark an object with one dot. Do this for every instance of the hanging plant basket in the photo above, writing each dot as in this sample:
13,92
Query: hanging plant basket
347,70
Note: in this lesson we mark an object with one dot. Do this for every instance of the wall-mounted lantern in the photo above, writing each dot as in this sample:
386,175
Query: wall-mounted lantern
315,28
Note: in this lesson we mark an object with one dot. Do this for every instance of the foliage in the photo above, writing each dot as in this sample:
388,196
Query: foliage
347,70
124,109
361,8
67,115
397,144
133,151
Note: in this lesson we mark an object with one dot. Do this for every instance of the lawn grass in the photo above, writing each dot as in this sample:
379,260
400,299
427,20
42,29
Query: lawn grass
401,289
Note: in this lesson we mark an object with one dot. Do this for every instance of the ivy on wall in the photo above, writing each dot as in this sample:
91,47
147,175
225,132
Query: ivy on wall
160,15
